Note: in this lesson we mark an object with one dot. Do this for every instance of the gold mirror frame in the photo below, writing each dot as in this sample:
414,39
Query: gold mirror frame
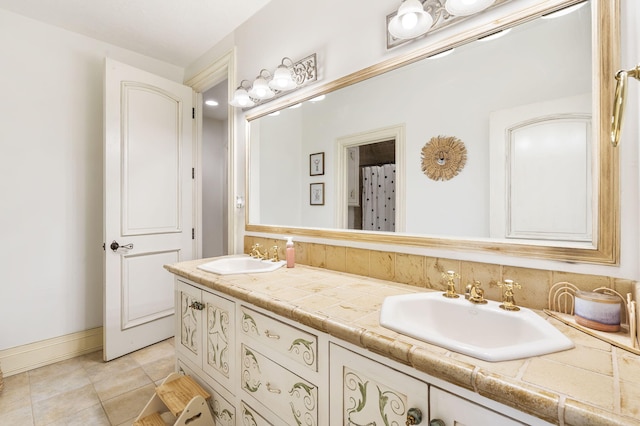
606,55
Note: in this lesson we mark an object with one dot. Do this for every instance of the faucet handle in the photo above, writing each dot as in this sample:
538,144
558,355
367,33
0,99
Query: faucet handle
276,256
450,276
508,300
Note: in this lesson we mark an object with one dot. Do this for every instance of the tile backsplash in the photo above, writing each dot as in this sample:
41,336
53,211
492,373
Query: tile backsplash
426,272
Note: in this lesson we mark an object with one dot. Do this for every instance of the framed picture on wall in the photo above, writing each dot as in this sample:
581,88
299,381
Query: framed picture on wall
316,194
316,164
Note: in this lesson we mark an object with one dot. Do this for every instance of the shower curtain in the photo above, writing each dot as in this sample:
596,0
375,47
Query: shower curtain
379,198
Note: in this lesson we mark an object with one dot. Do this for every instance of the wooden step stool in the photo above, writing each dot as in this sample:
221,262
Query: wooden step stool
179,397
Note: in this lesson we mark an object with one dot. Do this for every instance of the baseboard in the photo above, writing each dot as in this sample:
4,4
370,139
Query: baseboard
27,357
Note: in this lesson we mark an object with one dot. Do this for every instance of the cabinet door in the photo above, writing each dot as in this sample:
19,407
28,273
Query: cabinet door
224,413
189,308
364,392
219,339
454,410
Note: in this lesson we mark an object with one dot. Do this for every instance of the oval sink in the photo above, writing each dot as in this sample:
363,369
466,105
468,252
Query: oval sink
485,332
240,264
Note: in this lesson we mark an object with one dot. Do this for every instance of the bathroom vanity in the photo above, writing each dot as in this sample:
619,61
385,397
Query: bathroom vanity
304,346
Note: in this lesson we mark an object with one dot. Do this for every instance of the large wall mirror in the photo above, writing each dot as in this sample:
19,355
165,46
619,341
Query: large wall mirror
531,109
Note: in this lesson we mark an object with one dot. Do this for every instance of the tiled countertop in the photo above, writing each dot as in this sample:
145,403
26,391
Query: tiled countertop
593,384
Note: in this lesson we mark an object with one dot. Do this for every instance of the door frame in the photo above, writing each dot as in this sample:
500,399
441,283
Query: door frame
219,70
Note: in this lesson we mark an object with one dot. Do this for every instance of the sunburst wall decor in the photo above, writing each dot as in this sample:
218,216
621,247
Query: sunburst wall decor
443,157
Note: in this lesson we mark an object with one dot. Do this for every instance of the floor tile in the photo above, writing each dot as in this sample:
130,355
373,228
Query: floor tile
121,383
48,385
69,393
64,404
128,405
16,394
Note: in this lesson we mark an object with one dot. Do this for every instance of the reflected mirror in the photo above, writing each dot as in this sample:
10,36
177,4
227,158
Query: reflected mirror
527,107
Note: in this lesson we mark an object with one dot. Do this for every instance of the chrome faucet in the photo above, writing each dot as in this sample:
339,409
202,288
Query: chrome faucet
474,293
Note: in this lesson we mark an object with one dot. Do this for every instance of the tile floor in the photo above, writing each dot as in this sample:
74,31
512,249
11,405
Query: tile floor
85,391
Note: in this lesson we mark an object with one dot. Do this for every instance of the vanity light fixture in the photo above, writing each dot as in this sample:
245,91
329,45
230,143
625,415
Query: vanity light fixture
211,102
467,7
260,89
288,76
241,97
410,21
283,77
414,18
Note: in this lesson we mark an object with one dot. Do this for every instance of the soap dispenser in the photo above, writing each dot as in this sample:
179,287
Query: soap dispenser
290,253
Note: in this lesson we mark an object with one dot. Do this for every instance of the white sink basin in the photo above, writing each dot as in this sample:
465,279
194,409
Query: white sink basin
485,332
240,264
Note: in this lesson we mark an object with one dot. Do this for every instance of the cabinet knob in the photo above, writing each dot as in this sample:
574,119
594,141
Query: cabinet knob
437,422
414,416
197,306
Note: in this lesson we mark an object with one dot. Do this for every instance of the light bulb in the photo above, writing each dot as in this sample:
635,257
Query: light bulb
409,20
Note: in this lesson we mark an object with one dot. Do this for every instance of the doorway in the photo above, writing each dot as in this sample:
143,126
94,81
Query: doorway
214,189
215,215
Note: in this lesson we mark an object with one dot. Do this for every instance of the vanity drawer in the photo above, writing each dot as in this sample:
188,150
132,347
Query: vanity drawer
251,416
290,397
298,345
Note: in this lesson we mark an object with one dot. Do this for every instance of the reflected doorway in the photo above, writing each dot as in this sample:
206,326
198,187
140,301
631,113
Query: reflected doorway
372,169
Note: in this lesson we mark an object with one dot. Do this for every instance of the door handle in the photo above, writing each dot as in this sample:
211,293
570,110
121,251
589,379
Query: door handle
115,246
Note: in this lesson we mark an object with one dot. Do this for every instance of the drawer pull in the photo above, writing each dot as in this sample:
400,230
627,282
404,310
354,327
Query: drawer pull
197,306
271,336
272,389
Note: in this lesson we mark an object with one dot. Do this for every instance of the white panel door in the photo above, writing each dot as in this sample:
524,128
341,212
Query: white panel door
541,171
148,150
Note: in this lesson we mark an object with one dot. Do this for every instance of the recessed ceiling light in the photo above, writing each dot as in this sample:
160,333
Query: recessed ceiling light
211,102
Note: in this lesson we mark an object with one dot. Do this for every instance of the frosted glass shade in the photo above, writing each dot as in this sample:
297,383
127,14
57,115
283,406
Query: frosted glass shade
260,89
282,79
467,7
241,99
410,21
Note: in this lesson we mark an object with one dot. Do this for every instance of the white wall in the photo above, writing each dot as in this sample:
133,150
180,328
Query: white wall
51,177
349,36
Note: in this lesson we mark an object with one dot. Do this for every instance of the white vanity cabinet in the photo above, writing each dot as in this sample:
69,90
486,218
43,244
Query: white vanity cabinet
365,392
452,410
262,369
205,333
279,369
